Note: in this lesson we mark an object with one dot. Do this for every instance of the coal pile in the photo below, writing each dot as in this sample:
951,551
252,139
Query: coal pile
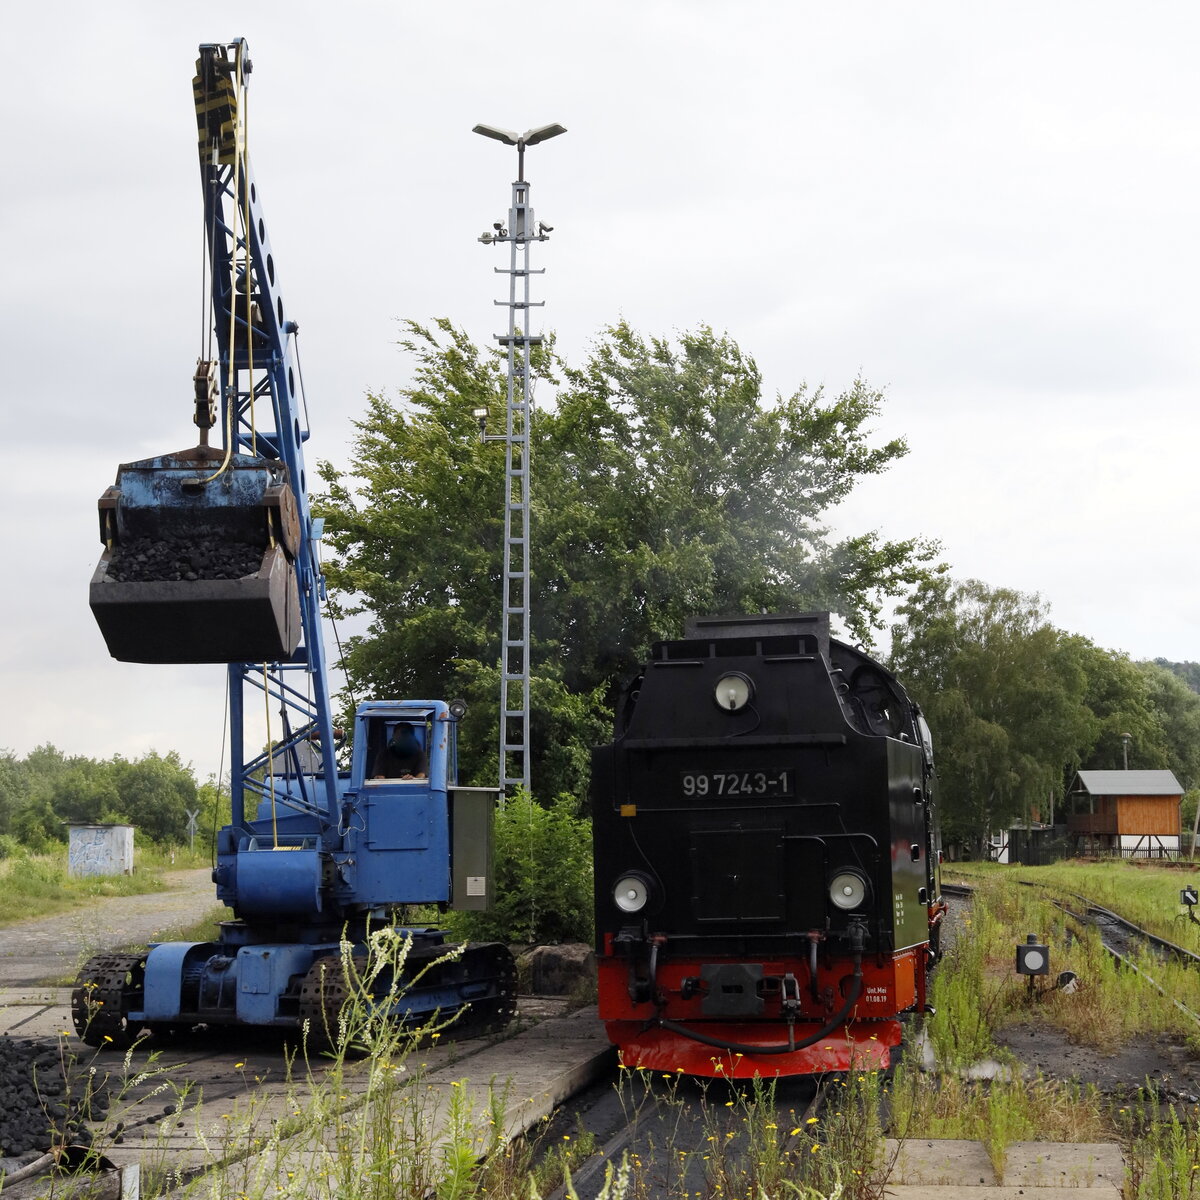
38,1106
157,560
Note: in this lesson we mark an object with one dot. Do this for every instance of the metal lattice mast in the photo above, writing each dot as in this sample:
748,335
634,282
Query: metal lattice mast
520,232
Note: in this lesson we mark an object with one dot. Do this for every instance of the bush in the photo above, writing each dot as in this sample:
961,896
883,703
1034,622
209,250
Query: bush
543,877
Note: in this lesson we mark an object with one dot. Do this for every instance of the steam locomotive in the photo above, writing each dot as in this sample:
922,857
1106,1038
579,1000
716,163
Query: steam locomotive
767,854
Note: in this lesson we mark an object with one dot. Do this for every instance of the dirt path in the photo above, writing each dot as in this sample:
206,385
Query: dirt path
43,949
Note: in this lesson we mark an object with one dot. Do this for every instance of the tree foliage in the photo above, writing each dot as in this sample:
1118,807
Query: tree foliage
663,485
1017,706
47,790
543,876
1189,672
1004,701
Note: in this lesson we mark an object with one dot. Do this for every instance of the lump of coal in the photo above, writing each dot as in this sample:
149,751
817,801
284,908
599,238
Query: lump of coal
42,1101
155,560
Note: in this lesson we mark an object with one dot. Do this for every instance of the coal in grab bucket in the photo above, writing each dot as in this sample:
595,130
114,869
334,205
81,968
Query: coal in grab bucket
198,563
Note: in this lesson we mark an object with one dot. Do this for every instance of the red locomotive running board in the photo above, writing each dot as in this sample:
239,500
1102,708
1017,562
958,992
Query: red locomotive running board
863,1042
862,1045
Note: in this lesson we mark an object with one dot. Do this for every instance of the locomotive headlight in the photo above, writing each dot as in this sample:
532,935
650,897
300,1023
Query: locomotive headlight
631,892
733,691
848,890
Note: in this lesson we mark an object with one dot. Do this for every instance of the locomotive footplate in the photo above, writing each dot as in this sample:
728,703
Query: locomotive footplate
857,1045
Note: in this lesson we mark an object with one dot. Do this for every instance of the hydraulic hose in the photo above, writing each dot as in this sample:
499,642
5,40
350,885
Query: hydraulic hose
857,936
738,1048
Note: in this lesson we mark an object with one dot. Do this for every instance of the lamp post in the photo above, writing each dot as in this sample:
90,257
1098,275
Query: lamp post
520,231
1126,738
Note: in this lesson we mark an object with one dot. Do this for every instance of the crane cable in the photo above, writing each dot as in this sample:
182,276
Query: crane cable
237,103
241,164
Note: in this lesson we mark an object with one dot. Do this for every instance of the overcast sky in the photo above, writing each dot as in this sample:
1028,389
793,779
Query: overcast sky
988,211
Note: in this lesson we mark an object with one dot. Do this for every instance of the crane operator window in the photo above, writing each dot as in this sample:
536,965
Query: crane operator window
398,750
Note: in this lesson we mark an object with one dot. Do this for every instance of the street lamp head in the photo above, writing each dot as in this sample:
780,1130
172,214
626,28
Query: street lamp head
531,137
543,133
501,135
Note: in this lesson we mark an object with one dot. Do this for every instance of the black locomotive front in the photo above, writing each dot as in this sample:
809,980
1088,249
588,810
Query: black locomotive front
766,854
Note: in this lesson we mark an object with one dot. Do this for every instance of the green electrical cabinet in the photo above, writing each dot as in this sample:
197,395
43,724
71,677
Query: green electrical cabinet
471,815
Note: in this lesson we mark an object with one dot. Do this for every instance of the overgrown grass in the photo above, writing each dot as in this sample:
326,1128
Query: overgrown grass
38,885
978,992
1110,1007
365,1128
360,1124
1162,1151
996,1112
1147,895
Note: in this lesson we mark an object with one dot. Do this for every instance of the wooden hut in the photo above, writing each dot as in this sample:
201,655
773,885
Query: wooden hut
1131,813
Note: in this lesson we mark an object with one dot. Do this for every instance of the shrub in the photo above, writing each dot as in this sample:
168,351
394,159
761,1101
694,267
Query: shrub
543,876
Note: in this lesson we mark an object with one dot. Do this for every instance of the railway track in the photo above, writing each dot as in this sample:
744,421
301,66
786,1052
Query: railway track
678,1136
1121,938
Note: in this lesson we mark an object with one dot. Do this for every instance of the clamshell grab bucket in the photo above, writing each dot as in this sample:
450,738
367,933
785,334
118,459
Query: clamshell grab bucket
198,569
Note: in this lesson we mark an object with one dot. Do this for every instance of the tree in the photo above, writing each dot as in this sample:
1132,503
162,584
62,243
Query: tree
1004,696
155,793
1189,672
663,486
85,793
1177,711
43,793
14,789
543,884
1118,698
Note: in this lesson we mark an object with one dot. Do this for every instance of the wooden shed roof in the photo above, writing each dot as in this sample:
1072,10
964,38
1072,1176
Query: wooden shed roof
1128,783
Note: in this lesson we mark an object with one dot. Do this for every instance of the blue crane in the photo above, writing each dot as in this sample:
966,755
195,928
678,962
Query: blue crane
211,556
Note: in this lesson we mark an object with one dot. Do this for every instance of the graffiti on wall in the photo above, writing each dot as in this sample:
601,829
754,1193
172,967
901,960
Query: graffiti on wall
100,850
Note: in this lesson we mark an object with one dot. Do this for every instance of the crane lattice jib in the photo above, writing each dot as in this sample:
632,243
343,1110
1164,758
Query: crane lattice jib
261,415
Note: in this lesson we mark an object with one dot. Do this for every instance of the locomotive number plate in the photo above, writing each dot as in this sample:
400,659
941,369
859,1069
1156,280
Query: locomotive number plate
739,784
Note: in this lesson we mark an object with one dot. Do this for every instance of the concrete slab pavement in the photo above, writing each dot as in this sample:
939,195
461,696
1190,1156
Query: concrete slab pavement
936,1169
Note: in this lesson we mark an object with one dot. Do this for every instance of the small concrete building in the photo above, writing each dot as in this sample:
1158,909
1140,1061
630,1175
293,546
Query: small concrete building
100,850
1134,814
